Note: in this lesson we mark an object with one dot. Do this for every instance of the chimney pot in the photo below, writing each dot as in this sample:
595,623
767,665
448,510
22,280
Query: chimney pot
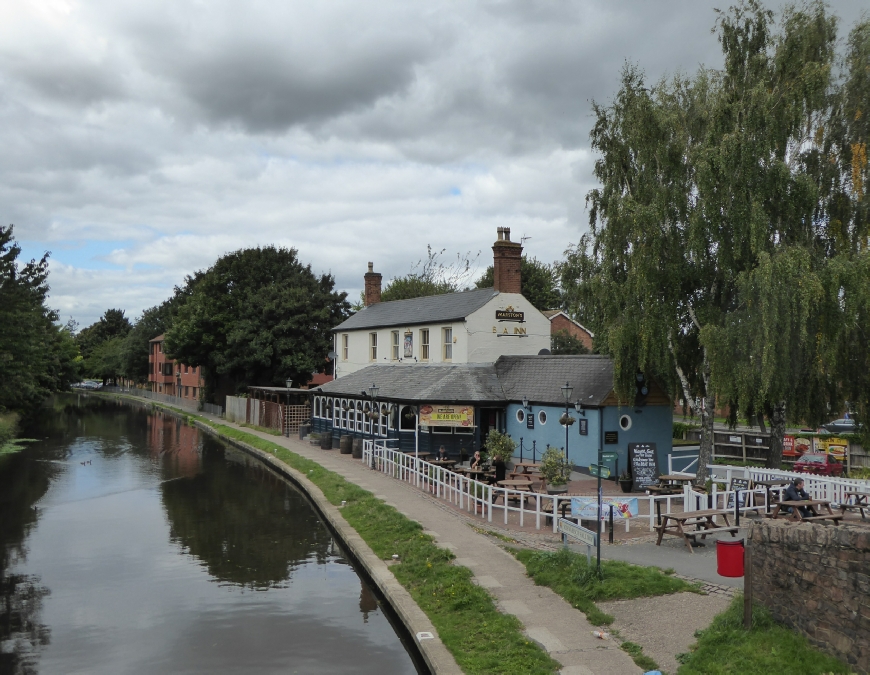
372,294
506,263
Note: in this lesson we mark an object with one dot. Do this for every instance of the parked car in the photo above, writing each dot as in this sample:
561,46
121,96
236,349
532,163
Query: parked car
841,426
819,463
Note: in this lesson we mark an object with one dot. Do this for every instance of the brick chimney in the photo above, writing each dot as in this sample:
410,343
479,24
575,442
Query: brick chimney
506,263
373,286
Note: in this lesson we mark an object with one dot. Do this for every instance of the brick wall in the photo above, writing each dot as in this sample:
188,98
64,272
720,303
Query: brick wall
561,322
816,579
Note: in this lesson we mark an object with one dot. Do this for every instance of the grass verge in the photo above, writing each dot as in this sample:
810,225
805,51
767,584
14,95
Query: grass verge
265,430
481,639
568,575
768,648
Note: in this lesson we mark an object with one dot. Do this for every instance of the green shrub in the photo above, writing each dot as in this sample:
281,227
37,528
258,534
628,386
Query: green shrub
683,428
499,445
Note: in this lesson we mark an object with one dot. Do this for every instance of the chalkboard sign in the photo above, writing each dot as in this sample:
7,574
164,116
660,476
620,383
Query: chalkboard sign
611,437
739,484
644,465
530,421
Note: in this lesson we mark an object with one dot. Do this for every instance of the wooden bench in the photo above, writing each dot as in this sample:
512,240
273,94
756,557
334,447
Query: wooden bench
664,490
780,511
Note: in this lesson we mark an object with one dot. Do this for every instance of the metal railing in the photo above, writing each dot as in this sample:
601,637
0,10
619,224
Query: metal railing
183,403
478,498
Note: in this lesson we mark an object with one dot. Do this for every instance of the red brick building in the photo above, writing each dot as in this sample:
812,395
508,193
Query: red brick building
561,321
171,377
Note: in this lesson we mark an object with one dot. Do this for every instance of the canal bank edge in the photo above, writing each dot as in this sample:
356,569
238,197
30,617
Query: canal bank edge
439,660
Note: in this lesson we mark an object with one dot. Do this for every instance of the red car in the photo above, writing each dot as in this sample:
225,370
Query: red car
819,463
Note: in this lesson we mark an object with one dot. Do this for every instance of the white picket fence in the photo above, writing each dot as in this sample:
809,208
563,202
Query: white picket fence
818,487
480,498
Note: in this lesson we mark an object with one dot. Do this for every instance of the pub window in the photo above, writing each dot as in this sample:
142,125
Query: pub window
385,417
521,416
463,430
424,344
336,412
542,417
448,344
395,346
345,338
407,418
359,416
442,430
373,345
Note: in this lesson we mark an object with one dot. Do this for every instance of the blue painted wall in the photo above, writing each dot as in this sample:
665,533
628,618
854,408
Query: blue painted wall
654,424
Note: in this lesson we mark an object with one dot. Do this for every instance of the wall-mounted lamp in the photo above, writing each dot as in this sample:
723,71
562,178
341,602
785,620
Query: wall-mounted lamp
579,408
289,383
526,402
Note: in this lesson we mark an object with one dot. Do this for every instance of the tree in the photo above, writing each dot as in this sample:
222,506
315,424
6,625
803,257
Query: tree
562,342
431,277
111,325
709,262
540,283
37,356
256,317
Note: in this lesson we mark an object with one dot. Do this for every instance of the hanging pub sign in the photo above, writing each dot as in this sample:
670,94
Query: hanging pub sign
509,314
584,427
530,421
441,415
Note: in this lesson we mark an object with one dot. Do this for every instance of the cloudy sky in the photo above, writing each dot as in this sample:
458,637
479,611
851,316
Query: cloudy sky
142,140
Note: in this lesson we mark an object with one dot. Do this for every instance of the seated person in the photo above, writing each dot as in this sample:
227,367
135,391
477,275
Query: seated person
795,493
442,453
477,460
500,470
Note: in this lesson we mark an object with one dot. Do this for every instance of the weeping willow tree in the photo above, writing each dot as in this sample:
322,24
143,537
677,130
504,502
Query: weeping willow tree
709,262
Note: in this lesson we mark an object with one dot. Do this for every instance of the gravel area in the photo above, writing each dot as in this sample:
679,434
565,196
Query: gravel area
665,626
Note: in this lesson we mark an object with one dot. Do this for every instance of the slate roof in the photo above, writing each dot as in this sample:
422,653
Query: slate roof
541,378
460,383
429,309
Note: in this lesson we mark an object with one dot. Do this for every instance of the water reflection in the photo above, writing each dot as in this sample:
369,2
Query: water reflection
253,537
165,551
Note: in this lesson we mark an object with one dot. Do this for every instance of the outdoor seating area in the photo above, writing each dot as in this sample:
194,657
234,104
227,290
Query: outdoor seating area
703,524
794,510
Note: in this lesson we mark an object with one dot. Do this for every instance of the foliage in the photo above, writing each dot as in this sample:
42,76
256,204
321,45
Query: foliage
862,472
554,467
728,234
568,575
539,282
727,647
256,317
481,639
37,355
499,446
8,427
113,324
431,276
562,342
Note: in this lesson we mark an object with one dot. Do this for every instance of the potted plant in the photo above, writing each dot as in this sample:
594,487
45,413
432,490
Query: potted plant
625,481
555,470
499,446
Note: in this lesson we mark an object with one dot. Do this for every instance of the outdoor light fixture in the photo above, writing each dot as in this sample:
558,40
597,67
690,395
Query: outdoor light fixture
373,391
526,402
579,408
567,390
289,383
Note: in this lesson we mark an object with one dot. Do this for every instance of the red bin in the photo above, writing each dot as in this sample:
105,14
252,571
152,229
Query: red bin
729,558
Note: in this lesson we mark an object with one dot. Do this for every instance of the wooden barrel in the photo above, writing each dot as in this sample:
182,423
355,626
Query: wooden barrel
357,448
345,444
326,441
304,430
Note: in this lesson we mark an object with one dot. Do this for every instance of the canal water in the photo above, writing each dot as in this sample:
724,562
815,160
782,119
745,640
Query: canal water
131,543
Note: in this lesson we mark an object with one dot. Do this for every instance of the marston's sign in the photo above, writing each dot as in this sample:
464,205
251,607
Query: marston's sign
509,315
447,415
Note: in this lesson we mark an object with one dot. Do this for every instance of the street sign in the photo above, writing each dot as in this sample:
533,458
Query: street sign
609,456
598,470
577,532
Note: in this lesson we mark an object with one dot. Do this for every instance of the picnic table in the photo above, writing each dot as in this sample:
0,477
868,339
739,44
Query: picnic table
812,505
670,484
704,523
526,467
774,483
446,463
515,484
859,502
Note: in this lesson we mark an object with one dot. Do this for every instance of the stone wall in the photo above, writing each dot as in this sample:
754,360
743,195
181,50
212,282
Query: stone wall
816,579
